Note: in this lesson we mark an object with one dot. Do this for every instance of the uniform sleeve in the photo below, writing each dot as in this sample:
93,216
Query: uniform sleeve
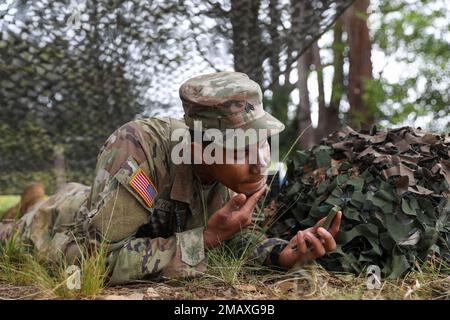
117,210
177,256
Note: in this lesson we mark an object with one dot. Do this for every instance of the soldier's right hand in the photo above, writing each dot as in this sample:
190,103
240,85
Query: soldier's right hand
234,216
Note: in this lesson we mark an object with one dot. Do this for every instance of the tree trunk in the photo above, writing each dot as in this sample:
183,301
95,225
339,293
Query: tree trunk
59,165
274,50
247,42
360,64
329,115
320,132
304,107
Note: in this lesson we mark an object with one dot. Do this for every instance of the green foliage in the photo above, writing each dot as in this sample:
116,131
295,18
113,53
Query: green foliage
416,34
277,105
20,265
72,87
27,146
373,96
223,265
7,202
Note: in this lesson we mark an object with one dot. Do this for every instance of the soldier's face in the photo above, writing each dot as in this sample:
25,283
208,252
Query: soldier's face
243,175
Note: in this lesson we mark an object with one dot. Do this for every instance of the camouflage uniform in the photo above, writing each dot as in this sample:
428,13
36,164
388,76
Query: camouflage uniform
163,235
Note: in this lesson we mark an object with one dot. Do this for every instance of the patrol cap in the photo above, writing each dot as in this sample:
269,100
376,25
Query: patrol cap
227,100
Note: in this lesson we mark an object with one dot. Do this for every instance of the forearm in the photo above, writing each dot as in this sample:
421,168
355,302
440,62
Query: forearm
181,255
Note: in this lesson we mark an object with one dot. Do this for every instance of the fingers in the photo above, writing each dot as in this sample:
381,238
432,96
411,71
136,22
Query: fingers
296,250
305,246
327,239
314,228
301,244
242,207
320,222
318,249
244,215
336,224
244,219
235,203
253,200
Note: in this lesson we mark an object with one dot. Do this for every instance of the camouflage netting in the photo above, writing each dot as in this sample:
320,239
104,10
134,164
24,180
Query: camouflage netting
72,71
393,187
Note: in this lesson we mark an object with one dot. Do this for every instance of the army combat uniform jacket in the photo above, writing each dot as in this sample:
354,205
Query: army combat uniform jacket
150,212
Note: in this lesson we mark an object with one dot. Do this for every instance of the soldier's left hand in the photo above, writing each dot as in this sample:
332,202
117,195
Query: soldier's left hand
311,243
229,220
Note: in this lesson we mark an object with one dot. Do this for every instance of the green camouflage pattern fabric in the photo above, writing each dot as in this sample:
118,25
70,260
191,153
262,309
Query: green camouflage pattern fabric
52,224
226,100
142,240
393,187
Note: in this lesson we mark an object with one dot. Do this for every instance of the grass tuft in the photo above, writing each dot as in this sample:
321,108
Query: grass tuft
224,266
20,266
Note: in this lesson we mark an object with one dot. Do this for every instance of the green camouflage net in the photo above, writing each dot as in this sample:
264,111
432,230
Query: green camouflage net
72,71
393,188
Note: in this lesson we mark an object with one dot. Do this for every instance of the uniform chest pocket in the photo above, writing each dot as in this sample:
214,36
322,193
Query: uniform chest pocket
123,210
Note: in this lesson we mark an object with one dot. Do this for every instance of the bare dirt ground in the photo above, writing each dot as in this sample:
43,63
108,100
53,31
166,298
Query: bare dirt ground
299,286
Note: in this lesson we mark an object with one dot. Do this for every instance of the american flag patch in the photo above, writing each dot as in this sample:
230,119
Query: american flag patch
144,187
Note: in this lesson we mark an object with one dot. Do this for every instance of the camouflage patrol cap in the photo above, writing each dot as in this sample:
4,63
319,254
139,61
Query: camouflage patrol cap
227,100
